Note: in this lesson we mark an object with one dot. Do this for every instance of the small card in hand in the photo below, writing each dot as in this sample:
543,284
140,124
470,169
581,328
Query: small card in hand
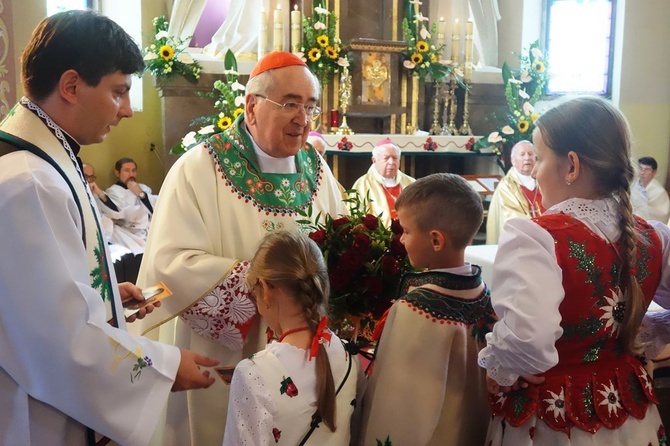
151,295
225,373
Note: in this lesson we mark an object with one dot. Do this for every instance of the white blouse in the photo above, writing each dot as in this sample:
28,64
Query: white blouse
527,292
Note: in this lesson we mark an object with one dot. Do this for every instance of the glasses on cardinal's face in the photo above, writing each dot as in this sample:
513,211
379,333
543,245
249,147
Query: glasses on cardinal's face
90,178
293,108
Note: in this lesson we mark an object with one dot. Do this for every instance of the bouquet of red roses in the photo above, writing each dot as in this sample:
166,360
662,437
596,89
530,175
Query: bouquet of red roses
365,262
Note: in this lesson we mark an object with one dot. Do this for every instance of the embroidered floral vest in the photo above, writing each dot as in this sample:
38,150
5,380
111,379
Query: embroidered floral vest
595,383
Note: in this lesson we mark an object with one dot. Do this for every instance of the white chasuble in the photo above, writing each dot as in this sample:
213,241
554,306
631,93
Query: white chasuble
63,366
372,183
214,208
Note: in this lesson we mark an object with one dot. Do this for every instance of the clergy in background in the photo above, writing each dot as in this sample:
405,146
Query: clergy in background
384,181
649,198
516,195
216,204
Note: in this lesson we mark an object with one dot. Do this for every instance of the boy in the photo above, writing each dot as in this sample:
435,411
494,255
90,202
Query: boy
425,388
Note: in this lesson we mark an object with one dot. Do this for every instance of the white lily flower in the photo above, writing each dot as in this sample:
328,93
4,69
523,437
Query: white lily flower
162,35
185,58
523,94
495,137
507,130
343,62
458,72
420,18
416,2
525,77
236,86
408,64
231,72
445,62
188,139
319,25
528,108
536,53
320,10
424,33
239,101
514,81
150,56
207,130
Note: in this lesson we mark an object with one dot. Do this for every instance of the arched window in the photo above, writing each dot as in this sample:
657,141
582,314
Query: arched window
579,38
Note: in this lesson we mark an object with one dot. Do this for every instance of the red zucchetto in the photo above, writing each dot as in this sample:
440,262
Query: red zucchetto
276,59
384,142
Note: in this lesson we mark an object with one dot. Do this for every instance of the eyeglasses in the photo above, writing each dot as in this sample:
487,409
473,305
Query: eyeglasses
292,108
90,177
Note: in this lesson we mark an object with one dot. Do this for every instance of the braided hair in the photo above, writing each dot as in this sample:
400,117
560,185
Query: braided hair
598,133
293,261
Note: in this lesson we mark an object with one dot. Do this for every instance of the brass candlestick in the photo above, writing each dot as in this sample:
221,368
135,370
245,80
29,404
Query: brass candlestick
345,95
453,107
465,127
436,128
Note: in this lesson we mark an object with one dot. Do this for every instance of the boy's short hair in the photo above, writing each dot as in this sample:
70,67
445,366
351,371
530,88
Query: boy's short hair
648,161
89,43
445,202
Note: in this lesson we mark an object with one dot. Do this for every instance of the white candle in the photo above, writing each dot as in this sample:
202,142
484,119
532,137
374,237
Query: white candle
278,36
441,31
456,42
263,36
468,41
296,29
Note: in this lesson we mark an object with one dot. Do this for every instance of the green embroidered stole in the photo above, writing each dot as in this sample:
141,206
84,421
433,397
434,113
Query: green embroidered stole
22,122
272,193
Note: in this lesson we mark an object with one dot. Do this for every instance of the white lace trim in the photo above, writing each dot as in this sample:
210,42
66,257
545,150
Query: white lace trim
495,371
602,210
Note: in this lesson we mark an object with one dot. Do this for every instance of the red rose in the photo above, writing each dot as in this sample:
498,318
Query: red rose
318,236
339,222
339,279
373,286
350,261
371,222
395,226
390,265
291,390
362,243
397,247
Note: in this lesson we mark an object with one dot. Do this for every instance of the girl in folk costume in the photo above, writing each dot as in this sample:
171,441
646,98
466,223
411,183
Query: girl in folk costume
561,362
305,379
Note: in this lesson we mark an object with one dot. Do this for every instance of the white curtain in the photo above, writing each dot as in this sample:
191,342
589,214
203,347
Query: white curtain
239,32
184,17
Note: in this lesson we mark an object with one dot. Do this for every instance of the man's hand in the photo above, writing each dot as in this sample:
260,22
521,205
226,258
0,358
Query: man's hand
134,187
131,294
189,375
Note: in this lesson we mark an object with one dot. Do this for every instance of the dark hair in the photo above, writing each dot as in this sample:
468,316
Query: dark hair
293,261
598,133
446,202
85,41
648,161
119,164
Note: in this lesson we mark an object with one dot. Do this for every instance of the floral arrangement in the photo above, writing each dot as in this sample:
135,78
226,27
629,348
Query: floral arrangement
228,102
366,261
321,48
523,88
422,56
166,56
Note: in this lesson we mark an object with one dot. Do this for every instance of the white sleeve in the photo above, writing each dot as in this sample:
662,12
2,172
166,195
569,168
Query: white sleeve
249,421
526,291
662,296
126,201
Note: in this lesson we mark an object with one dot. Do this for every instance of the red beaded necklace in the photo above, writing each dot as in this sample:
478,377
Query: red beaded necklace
291,331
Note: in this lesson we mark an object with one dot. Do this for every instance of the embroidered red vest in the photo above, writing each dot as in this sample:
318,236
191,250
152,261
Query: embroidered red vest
595,383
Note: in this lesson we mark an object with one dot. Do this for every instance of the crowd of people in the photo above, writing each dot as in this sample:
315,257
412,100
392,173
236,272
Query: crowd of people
548,354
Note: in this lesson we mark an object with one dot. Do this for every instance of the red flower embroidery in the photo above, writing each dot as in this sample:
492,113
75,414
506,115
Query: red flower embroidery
469,144
345,145
430,145
288,387
276,433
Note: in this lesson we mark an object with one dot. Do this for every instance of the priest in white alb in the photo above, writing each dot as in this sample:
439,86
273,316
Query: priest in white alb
216,204
516,195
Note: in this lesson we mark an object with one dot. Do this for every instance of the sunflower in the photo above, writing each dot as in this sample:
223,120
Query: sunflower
224,122
523,125
314,54
534,116
539,67
416,58
166,52
433,58
238,111
322,40
422,46
331,52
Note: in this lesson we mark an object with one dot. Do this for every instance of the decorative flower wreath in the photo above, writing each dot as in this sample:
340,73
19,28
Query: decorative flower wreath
228,102
321,48
422,56
523,88
166,57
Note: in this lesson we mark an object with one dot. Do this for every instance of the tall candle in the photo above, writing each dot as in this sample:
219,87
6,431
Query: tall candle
456,42
468,41
278,36
263,36
296,29
441,31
